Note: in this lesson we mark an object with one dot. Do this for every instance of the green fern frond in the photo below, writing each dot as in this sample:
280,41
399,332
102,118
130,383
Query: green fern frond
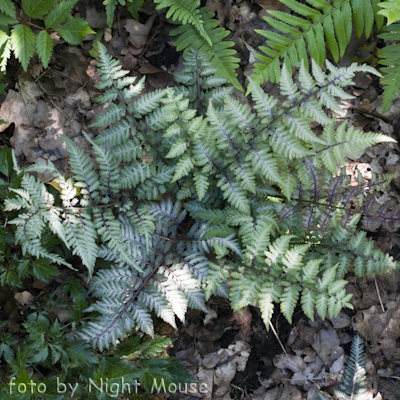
83,168
81,235
109,229
134,6
320,22
391,10
334,154
167,287
267,296
289,299
389,58
219,53
5,50
144,222
186,12
109,168
110,6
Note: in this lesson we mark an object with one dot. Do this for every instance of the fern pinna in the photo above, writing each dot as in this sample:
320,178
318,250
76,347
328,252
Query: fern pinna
317,23
187,12
217,51
196,190
389,57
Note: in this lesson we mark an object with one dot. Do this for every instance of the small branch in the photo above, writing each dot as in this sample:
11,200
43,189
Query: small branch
379,296
277,337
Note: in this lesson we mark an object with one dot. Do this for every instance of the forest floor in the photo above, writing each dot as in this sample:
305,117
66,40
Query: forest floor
234,354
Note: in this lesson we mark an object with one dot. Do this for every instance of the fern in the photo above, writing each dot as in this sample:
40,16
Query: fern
391,10
218,52
133,7
318,23
195,190
389,57
167,284
354,383
186,11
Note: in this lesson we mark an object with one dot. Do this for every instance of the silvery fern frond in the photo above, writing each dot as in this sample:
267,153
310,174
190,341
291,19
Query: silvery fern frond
196,193
354,385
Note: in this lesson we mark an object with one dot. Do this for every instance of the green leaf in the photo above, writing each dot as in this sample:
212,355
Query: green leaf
6,236
44,270
7,7
201,183
44,47
152,371
6,352
187,13
73,288
7,20
6,164
80,305
5,50
289,300
93,51
133,7
134,347
81,354
36,8
74,31
23,268
23,44
59,13
8,277
110,6
391,10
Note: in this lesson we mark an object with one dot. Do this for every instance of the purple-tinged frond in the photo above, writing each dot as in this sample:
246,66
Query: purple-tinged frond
366,206
354,190
330,200
290,211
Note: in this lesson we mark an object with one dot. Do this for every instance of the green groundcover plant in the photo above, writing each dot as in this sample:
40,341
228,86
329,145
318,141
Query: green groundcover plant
24,37
40,356
188,192
29,27
198,194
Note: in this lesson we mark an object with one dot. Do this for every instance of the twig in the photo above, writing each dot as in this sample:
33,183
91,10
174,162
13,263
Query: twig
379,296
277,337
